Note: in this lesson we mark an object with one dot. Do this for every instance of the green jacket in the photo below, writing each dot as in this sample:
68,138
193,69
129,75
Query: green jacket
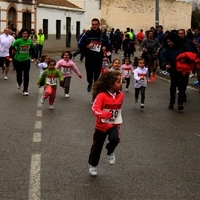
50,76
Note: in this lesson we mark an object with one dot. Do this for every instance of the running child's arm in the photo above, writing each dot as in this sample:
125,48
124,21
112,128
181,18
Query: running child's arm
76,70
97,108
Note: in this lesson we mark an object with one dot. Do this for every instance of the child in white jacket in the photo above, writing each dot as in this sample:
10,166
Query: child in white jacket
140,80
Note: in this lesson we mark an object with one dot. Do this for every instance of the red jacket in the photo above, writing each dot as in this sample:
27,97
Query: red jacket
197,61
185,62
103,101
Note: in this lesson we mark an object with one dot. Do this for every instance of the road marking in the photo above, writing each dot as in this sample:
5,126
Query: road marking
197,135
39,113
189,87
41,91
35,184
37,137
38,124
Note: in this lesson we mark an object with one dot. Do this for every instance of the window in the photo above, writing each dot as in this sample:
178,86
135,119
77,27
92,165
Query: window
58,29
45,28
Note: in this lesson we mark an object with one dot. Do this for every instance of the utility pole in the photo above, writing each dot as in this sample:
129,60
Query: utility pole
157,13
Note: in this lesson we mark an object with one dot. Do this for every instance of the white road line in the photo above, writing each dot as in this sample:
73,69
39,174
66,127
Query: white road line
41,90
37,137
38,124
189,87
35,184
39,113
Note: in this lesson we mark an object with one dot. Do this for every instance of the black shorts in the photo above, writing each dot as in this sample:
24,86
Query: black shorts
4,60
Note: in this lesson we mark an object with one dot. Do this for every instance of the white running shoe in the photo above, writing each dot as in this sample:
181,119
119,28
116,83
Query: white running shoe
67,95
92,171
51,107
111,159
142,105
25,93
5,78
42,100
126,89
18,86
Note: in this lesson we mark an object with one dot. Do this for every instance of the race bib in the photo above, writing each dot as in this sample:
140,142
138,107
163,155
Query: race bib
127,72
96,47
24,49
116,116
51,81
65,70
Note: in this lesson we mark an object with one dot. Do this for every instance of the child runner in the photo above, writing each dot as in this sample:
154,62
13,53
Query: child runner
107,109
42,64
66,65
127,70
140,80
105,62
49,77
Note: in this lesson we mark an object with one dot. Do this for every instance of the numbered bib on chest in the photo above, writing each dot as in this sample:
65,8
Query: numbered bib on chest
51,80
127,72
65,70
96,47
116,116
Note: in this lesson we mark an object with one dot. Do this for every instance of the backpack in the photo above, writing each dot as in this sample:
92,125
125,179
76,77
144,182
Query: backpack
131,45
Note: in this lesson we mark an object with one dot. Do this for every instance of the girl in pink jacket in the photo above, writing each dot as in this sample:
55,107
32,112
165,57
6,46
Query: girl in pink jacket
66,66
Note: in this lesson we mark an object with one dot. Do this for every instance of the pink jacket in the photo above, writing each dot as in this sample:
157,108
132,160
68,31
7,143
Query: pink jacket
66,67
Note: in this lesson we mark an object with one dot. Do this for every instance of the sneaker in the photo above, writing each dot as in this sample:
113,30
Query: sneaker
18,86
42,100
111,159
92,171
66,95
126,89
171,106
153,77
180,107
142,105
5,78
136,100
25,93
149,80
191,75
51,107
89,88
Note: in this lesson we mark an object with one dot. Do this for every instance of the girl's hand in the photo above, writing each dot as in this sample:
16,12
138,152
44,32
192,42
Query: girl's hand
80,76
168,66
106,115
89,46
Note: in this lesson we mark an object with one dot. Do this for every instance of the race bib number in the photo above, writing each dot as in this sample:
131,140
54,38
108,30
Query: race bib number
51,81
127,72
24,49
65,70
96,47
116,116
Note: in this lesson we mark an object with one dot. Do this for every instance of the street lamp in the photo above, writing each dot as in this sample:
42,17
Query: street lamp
157,13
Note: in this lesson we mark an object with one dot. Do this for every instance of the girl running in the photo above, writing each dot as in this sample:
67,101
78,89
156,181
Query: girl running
140,80
43,63
66,65
107,109
50,76
127,71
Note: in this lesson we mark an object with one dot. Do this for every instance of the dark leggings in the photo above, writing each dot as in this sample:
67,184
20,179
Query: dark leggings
98,141
137,91
22,70
93,69
127,82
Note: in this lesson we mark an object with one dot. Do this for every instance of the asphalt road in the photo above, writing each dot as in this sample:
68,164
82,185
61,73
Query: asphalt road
44,153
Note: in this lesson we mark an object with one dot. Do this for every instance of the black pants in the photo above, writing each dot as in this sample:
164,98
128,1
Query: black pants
180,81
39,48
66,84
137,92
93,69
127,82
78,51
22,70
98,141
